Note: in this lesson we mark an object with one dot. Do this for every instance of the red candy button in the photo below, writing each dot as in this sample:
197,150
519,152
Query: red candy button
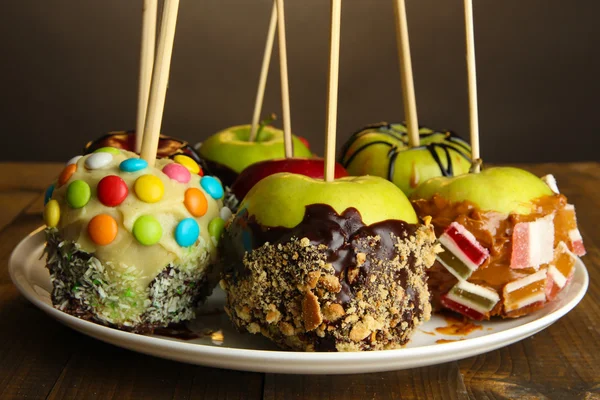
112,190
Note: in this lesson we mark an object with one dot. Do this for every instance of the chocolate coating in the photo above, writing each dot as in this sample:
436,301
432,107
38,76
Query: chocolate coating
330,263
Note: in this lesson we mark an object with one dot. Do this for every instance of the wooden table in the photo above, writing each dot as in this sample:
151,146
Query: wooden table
40,358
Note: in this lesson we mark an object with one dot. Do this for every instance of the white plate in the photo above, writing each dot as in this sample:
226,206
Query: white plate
254,353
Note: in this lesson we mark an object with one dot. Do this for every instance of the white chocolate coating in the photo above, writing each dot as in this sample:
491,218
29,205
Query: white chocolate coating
125,252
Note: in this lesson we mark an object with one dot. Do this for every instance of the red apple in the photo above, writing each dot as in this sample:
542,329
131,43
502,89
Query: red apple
311,167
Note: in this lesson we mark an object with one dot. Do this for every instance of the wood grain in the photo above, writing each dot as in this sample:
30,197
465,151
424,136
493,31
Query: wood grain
40,358
436,382
30,176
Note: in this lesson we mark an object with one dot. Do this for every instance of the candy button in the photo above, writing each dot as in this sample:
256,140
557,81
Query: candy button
112,190
225,213
187,162
66,174
195,202
212,186
52,214
177,172
200,172
187,232
102,229
147,230
133,165
78,194
215,228
111,150
73,160
149,188
48,194
98,160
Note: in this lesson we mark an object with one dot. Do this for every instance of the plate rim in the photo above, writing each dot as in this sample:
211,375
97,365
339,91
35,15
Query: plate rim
300,359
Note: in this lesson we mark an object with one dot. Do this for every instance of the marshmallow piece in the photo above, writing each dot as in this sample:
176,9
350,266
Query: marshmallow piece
473,301
462,252
560,270
533,243
567,217
525,291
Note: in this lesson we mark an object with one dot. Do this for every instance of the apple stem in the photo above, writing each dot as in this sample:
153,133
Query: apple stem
264,73
332,89
160,79
406,74
285,88
265,122
149,15
476,166
472,83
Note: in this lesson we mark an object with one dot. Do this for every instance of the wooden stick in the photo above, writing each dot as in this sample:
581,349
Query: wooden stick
472,82
285,90
149,14
406,74
264,72
160,78
332,89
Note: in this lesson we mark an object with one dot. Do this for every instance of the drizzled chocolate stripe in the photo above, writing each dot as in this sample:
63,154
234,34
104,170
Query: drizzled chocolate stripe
457,144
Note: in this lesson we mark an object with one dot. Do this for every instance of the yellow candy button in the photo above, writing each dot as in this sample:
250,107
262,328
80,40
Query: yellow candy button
149,188
187,162
52,214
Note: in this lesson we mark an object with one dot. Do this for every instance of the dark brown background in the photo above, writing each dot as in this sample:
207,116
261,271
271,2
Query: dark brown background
69,71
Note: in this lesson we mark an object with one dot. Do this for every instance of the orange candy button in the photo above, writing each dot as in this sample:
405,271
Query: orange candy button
195,202
66,174
102,229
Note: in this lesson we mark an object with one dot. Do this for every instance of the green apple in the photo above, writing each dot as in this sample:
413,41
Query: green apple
281,199
502,189
232,148
383,150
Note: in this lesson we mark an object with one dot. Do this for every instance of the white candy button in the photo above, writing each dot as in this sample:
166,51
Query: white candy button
98,160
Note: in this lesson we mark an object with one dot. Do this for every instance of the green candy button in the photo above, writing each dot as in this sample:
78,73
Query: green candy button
215,228
78,194
111,150
147,230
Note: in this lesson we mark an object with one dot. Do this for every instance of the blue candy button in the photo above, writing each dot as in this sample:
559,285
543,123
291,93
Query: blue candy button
187,232
48,194
212,186
133,165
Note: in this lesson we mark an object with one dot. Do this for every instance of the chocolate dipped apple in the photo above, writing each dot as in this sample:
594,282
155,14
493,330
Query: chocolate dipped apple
229,152
383,150
327,266
510,241
311,167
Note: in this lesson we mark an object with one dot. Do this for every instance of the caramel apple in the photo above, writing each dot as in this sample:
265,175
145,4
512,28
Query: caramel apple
510,242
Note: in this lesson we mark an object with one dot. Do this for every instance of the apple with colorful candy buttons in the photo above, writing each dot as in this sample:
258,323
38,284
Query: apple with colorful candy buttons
383,150
132,245
229,152
510,241
327,266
